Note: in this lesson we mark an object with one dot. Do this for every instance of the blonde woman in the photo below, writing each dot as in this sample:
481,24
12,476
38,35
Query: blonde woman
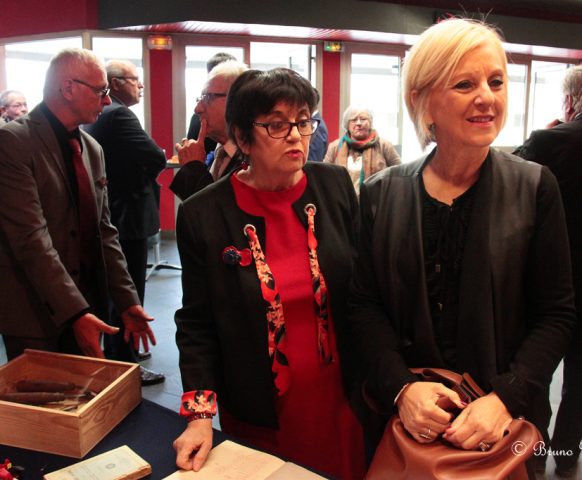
464,259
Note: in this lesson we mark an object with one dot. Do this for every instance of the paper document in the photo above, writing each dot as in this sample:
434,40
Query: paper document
118,464
231,461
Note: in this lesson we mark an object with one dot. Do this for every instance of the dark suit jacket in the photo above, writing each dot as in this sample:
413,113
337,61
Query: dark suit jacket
516,308
133,162
222,326
560,149
194,176
39,225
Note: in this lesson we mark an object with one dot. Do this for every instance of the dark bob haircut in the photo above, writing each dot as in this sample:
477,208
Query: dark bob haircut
256,92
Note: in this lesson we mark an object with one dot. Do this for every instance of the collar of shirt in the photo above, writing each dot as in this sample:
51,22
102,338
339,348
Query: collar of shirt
60,131
230,148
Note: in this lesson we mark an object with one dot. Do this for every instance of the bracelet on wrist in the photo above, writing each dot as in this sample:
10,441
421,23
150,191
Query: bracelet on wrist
196,403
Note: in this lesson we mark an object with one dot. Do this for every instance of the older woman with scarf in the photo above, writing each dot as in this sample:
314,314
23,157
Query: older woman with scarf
267,257
361,150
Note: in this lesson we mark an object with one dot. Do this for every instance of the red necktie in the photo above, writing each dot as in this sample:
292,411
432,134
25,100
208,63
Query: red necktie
87,208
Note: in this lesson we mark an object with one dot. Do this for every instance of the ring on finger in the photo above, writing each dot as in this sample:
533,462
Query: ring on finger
426,435
484,446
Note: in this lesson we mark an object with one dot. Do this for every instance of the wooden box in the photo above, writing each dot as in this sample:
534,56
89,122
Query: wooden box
72,434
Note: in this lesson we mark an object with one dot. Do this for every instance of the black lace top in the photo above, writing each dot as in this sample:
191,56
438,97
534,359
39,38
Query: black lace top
444,230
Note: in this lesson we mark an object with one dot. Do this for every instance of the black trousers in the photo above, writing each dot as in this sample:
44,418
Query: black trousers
136,255
568,429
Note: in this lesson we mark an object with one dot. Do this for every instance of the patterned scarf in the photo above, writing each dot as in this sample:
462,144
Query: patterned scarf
347,143
275,316
359,144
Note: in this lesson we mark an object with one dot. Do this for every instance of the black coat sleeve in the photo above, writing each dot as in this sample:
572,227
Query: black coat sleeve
196,335
190,178
134,145
549,297
376,340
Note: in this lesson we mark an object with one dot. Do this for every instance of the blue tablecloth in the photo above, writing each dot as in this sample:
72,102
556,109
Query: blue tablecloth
148,430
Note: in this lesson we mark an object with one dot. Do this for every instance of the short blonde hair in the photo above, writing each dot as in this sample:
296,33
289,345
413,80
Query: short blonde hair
68,62
431,62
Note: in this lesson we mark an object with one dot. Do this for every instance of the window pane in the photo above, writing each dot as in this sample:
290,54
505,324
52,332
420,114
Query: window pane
375,84
117,48
265,56
27,63
546,98
512,133
196,58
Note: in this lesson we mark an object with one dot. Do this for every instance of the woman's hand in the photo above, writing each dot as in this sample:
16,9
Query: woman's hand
480,425
422,409
193,445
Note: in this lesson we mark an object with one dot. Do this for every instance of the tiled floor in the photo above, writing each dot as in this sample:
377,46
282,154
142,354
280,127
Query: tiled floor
163,297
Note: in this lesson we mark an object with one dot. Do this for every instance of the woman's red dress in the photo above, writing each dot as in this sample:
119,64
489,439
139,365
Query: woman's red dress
317,426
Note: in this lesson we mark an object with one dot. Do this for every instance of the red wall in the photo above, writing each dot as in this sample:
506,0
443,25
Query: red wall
162,127
330,102
18,17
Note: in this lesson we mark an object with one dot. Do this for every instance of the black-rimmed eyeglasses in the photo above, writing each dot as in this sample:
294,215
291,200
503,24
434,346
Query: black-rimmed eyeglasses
102,92
209,96
281,129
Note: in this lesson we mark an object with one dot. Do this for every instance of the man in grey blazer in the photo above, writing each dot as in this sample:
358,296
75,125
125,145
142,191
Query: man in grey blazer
60,258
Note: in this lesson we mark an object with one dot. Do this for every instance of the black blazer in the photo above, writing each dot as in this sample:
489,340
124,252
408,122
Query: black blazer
222,326
516,308
560,149
133,162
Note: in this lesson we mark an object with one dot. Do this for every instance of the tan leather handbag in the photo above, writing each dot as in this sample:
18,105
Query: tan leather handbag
399,456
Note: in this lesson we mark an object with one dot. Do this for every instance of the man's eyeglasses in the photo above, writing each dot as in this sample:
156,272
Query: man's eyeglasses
17,105
208,97
281,129
102,92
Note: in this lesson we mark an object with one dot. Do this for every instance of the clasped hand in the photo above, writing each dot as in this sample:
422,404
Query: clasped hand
424,408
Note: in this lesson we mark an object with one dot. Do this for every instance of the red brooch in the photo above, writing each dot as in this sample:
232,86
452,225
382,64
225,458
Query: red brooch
232,256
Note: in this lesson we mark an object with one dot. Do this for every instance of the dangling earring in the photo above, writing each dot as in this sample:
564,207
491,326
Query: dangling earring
246,161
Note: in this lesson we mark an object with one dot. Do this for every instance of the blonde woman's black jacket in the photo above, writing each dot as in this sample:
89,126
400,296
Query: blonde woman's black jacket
516,308
222,326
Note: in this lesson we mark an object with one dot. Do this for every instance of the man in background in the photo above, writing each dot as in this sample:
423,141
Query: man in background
318,142
12,105
194,128
194,174
133,161
559,147
60,260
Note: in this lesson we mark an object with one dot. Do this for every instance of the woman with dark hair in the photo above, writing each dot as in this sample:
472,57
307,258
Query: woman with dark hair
267,256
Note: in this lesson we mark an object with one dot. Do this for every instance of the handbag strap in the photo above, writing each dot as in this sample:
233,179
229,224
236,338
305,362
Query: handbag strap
463,385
